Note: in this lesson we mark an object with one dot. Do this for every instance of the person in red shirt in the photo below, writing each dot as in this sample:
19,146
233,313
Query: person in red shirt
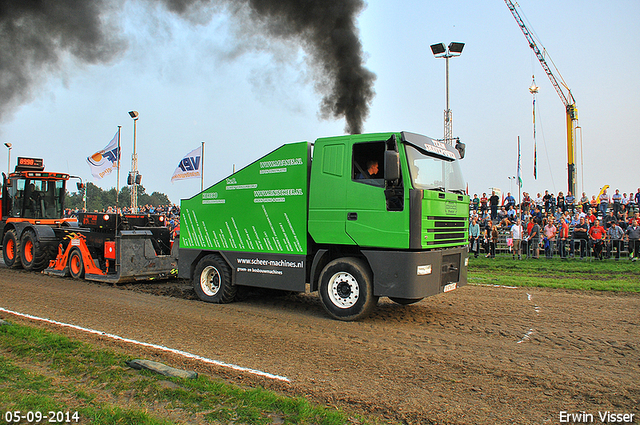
564,236
591,217
483,202
597,235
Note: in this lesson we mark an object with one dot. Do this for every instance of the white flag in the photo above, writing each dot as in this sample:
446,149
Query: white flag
105,160
190,166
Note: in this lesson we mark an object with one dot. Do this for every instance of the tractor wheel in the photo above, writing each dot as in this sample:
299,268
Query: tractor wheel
212,280
34,255
76,265
346,289
11,250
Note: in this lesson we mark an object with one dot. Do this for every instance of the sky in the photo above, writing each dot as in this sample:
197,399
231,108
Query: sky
194,80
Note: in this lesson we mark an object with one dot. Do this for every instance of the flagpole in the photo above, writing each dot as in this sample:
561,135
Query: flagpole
202,169
118,173
519,181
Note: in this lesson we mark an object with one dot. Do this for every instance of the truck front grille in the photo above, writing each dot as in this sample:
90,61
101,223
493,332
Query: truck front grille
446,231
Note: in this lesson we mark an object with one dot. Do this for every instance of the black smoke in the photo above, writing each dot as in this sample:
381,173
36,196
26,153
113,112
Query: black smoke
37,35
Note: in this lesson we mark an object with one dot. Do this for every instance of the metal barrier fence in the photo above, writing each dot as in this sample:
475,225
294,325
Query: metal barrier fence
572,248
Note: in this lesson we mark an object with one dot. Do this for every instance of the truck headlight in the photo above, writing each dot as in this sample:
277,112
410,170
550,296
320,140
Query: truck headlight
466,262
424,270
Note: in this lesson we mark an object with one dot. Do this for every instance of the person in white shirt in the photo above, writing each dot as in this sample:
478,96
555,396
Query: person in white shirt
516,237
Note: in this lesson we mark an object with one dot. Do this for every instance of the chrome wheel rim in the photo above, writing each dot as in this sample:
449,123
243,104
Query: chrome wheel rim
344,290
210,281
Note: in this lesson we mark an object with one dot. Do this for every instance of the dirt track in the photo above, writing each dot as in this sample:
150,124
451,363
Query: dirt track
478,355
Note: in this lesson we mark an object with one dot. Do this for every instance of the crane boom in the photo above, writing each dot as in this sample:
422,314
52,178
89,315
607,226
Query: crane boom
567,98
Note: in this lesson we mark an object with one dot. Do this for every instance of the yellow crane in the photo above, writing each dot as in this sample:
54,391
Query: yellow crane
563,91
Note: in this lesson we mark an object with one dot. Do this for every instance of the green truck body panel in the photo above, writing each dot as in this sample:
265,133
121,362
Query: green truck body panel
260,209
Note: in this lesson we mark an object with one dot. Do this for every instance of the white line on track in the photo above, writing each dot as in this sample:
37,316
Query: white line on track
531,331
155,346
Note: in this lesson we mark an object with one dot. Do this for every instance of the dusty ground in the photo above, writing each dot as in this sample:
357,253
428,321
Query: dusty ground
478,355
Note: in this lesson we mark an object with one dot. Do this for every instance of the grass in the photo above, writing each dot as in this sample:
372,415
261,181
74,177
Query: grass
41,371
608,275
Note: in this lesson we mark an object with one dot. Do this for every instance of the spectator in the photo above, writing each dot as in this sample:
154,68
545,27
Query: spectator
547,201
614,237
632,203
475,202
560,202
563,236
633,236
526,201
581,234
591,217
570,201
516,237
487,238
604,203
616,199
483,203
493,241
550,231
539,201
597,235
534,239
494,200
609,219
474,237
584,201
593,203
510,201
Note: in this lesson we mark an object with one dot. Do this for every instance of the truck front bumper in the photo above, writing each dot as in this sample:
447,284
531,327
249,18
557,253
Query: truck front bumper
417,274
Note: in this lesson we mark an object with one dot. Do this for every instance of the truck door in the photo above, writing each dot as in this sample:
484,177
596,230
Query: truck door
372,219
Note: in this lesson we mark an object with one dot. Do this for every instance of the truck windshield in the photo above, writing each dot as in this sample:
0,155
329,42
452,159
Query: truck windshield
432,173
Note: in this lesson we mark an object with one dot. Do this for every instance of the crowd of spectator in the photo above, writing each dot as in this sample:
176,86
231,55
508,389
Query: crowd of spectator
171,214
598,227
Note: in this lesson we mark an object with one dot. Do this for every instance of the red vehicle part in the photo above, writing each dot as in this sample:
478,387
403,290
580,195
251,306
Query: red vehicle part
76,259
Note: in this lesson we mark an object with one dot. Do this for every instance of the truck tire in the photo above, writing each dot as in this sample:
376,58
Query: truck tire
405,301
34,255
11,250
76,265
212,280
346,289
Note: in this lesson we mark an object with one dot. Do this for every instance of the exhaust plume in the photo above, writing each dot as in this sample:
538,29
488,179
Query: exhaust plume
36,36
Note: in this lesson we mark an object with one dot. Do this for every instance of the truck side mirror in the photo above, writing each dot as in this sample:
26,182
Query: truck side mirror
460,147
391,165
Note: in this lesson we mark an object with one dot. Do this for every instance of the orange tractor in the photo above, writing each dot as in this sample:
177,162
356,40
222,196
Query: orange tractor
95,246
32,207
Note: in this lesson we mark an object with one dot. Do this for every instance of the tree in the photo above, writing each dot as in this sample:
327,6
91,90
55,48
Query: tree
99,199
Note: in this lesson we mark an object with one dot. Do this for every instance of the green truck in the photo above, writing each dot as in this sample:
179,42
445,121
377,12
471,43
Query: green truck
354,217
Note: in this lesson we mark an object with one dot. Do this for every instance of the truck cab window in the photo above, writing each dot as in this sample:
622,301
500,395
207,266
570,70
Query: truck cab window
368,163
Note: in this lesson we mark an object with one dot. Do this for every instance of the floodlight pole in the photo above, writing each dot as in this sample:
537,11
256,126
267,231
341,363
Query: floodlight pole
440,51
448,130
8,145
134,166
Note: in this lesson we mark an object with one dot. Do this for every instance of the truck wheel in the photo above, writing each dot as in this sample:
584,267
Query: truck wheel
11,250
212,280
34,256
405,301
346,289
76,265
